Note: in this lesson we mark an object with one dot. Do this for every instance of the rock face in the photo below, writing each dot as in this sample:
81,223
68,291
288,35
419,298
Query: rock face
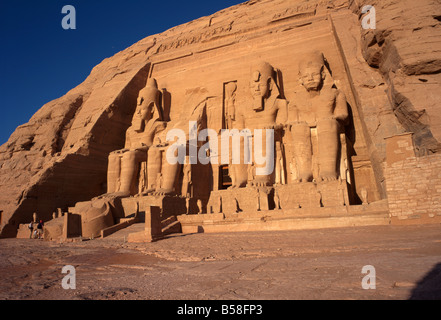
405,49
390,79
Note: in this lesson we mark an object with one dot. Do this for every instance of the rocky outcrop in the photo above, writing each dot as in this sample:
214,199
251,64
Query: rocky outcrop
405,48
60,156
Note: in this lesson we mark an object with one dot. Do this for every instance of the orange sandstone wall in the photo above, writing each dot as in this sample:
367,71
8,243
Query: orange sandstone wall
414,188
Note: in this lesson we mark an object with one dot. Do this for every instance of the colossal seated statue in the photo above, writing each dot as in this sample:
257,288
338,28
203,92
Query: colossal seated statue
158,162
321,107
268,111
147,122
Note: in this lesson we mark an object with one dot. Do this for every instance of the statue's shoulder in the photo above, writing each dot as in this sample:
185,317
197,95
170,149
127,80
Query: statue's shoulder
143,91
340,93
330,93
160,125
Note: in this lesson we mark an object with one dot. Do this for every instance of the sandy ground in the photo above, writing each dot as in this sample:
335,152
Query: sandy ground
294,265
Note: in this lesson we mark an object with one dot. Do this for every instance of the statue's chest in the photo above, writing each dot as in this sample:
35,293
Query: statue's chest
325,101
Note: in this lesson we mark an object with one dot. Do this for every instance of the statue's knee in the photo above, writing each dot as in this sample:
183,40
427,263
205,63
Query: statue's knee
129,156
153,152
327,126
301,130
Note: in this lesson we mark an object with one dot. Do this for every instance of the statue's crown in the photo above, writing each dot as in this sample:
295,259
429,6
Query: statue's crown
265,69
313,59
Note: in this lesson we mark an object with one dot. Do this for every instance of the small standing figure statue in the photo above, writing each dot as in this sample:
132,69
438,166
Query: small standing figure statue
187,183
364,196
277,200
251,174
187,203
230,100
200,206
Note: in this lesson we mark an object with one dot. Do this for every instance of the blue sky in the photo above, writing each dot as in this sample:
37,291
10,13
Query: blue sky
40,61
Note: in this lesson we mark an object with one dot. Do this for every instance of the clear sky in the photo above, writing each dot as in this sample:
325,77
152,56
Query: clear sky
40,61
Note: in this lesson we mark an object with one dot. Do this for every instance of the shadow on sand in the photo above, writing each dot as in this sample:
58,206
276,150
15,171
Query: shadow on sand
429,287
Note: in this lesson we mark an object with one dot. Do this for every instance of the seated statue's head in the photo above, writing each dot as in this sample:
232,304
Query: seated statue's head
261,83
152,83
311,71
149,102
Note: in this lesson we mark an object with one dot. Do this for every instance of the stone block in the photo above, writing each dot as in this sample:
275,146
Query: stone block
247,199
153,227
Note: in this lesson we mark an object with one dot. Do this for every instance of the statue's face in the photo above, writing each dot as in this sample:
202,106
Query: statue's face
311,78
145,112
259,85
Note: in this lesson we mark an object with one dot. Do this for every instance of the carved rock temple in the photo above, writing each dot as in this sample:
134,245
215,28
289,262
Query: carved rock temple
269,115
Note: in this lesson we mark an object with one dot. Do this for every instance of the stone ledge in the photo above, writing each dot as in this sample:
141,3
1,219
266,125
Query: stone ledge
293,219
108,231
417,220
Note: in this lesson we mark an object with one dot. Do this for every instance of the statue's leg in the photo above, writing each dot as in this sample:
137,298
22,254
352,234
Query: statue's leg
280,172
301,134
245,161
170,175
185,189
238,168
328,146
162,175
241,175
113,172
265,169
154,161
129,171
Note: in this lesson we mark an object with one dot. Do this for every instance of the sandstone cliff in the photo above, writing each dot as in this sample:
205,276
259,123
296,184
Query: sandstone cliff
60,156
406,50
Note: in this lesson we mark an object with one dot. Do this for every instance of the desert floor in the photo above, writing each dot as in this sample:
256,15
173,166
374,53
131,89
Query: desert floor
284,265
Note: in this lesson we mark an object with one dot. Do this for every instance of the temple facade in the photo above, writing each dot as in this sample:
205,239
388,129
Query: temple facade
270,115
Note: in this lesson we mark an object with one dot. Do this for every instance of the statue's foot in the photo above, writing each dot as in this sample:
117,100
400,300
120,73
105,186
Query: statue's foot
303,180
164,192
112,195
328,178
262,183
146,192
